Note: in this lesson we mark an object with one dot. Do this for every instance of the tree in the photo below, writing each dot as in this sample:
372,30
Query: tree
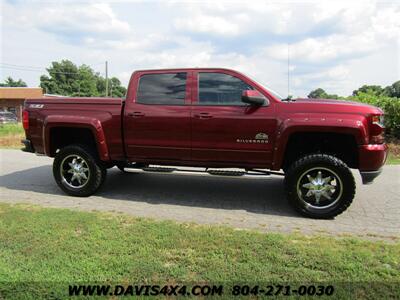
374,89
116,90
13,83
114,86
321,94
393,90
85,85
318,93
65,78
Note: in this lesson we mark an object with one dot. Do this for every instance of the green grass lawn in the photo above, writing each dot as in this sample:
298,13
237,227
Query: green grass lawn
394,153
8,129
11,135
57,247
393,160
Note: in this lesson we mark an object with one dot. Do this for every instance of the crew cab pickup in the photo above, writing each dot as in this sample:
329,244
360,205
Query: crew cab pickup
214,119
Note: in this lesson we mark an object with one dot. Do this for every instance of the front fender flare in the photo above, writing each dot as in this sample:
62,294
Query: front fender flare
355,127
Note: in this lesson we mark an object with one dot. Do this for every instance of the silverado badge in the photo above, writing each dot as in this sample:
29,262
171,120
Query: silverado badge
260,138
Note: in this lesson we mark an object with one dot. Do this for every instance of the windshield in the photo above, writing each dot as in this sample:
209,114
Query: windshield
276,94
271,91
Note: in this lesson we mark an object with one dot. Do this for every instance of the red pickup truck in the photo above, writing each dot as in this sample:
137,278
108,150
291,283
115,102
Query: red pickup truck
214,119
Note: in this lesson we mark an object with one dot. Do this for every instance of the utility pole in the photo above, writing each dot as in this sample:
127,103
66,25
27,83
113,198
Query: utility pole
288,71
106,78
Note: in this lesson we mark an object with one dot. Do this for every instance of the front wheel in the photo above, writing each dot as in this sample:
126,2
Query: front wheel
77,171
320,186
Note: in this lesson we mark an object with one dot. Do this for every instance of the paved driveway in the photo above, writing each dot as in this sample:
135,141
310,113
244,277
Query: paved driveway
234,201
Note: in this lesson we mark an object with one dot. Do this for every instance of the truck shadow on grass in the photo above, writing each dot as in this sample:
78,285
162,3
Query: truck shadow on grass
258,195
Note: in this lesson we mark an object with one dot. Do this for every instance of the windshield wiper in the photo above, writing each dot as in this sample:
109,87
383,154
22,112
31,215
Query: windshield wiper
289,99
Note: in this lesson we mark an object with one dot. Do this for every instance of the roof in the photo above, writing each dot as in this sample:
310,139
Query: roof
187,69
20,92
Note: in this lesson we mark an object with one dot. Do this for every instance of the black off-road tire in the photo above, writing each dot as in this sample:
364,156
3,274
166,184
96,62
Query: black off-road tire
97,170
313,162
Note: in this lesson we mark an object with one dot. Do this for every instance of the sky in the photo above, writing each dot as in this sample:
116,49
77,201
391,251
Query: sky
336,45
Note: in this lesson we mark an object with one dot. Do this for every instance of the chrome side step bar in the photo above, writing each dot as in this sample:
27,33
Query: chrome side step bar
211,171
159,169
225,173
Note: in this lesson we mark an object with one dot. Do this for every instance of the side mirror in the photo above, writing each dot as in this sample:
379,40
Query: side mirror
254,97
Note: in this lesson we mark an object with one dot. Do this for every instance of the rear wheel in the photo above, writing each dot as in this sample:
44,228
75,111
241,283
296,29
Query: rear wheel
77,171
320,186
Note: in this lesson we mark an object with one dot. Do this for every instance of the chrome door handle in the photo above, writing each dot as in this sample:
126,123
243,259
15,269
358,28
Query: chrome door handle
203,115
136,114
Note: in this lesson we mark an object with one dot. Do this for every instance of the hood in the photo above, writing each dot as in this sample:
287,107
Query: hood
334,106
333,101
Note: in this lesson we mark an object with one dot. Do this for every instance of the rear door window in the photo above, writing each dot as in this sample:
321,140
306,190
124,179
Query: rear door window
164,89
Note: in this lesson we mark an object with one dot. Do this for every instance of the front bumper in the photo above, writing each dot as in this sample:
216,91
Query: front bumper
369,176
372,157
28,146
371,160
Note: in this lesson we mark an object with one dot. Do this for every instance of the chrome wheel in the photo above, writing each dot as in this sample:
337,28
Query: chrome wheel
74,171
319,188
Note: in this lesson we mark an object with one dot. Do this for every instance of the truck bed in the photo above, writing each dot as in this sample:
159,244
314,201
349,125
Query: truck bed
65,111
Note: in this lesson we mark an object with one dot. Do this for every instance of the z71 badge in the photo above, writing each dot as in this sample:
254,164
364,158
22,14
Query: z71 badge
36,105
260,138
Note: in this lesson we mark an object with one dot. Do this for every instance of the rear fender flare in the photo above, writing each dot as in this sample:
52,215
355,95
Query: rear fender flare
93,124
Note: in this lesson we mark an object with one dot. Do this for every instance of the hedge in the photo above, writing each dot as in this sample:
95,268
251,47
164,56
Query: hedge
391,107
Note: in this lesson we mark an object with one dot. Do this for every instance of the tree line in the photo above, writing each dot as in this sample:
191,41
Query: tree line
9,82
392,91
67,79
387,98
